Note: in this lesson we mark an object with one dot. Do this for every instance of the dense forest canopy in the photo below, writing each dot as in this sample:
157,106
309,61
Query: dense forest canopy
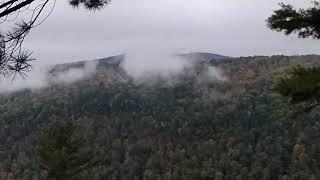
186,126
182,129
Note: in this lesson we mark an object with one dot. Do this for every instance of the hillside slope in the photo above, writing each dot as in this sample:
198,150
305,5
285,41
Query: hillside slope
187,129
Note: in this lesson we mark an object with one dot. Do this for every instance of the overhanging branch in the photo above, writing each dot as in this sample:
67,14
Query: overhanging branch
15,8
5,4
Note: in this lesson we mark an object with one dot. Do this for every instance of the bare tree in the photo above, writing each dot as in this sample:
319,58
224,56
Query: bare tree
17,19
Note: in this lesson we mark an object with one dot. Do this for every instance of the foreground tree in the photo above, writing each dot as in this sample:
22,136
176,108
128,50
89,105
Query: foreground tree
62,151
24,15
304,22
301,84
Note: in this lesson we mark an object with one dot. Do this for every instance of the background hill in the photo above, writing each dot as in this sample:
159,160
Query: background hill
117,60
204,57
183,127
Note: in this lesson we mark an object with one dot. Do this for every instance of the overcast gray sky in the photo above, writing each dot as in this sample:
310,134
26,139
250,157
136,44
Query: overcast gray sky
227,27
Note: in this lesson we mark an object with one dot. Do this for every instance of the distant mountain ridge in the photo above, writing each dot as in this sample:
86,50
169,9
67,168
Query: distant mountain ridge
112,60
203,57
196,57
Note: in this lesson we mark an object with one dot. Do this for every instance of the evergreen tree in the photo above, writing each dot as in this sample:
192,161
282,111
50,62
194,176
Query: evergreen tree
305,22
61,151
301,84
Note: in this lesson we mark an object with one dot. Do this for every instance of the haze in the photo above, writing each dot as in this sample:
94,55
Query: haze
232,27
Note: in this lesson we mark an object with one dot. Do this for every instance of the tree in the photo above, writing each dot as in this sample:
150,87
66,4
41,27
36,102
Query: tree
26,15
62,153
301,85
305,22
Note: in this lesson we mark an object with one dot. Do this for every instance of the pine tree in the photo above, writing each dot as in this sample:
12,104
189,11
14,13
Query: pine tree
61,151
301,84
305,22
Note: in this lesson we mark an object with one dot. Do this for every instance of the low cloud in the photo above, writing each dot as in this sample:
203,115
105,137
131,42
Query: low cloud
143,66
214,74
72,75
40,77
35,79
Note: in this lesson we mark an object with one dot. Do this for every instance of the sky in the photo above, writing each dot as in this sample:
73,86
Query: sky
227,27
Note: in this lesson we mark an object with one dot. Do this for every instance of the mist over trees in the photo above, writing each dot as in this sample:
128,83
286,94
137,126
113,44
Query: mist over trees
181,128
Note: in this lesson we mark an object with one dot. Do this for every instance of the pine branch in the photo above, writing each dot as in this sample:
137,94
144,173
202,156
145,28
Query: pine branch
15,8
8,3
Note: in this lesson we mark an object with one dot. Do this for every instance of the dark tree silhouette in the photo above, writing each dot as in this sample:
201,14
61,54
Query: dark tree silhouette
302,84
22,16
62,153
305,22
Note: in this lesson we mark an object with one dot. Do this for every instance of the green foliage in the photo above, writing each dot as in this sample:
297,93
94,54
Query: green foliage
305,22
301,85
182,130
62,152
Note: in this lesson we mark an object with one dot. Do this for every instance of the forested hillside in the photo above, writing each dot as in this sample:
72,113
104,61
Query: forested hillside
187,127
